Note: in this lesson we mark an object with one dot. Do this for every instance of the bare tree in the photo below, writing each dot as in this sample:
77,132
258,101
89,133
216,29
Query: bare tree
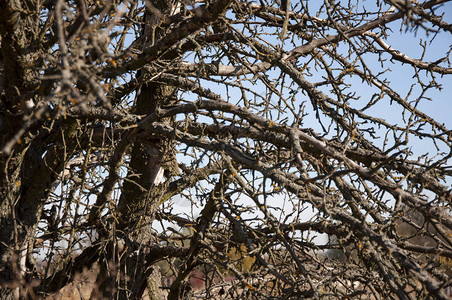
268,149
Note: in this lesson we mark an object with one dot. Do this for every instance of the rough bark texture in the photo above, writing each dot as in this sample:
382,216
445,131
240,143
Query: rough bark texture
141,194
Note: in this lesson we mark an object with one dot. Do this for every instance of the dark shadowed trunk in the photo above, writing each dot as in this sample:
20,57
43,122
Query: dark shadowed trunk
29,170
142,187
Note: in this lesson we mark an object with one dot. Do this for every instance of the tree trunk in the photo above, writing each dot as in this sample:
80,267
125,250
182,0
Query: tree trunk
141,188
25,188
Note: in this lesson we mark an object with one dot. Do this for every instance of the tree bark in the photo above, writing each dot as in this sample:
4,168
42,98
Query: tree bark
141,192
30,182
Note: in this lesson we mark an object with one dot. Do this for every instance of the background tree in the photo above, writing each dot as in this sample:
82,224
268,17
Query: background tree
242,143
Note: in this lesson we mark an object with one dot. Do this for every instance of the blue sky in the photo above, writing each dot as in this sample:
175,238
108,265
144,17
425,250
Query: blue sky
401,80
